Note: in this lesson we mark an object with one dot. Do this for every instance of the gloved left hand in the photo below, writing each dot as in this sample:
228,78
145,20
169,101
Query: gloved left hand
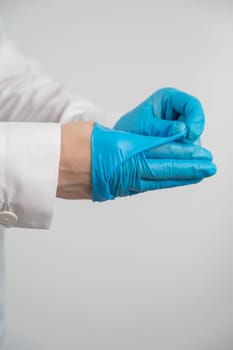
125,163
166,112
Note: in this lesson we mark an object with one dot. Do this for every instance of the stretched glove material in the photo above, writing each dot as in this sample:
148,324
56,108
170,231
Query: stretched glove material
125,163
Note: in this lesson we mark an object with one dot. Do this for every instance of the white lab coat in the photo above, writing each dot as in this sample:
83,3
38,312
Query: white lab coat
32,108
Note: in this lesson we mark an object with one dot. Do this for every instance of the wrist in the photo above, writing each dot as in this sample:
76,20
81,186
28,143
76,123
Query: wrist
74,180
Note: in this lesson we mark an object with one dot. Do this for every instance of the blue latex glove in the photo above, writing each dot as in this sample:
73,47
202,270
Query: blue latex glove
125,163
165,113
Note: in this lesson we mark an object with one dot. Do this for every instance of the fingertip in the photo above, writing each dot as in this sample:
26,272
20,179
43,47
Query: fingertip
211,169
179,126
195,130
202,153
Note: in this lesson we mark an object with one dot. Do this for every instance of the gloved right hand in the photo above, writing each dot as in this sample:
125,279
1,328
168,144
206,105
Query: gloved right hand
125,163
166,112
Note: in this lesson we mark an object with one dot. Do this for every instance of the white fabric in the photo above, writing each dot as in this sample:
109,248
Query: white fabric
32,106
26,94
29,162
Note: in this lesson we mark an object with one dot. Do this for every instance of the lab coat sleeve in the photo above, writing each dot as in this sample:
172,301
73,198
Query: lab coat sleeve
32,108
29,163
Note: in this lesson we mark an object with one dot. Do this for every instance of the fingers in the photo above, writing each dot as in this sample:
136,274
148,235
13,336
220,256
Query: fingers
176,150
146,185
165,169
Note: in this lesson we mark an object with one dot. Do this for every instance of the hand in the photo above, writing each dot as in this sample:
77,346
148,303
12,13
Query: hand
125,163
165,113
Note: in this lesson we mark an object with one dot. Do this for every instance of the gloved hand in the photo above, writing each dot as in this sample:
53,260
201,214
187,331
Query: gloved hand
166,112
125,163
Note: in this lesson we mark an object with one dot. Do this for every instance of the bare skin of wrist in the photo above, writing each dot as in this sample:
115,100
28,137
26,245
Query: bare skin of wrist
74,180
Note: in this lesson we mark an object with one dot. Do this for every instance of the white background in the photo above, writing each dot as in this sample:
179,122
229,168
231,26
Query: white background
153,271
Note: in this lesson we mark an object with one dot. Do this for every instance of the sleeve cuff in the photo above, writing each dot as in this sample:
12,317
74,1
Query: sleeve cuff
29,166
